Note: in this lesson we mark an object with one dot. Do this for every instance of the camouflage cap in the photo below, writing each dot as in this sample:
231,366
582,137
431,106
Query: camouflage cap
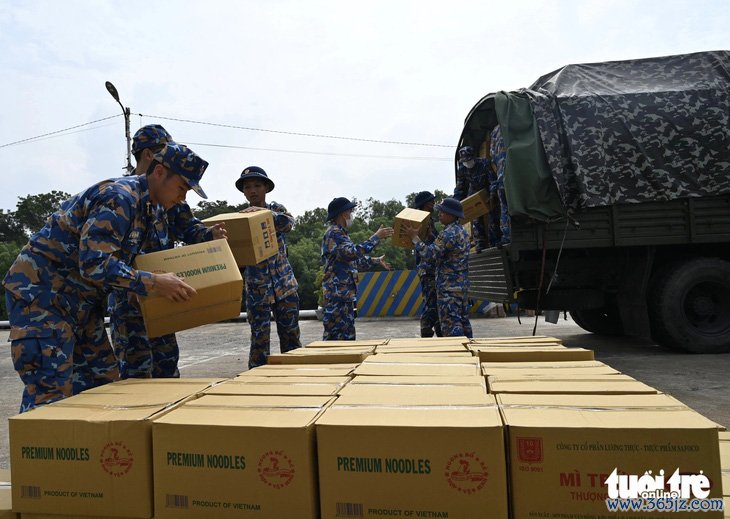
466,153
183,161
149,136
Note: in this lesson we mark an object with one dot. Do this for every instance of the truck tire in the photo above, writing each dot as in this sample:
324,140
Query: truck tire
689,306
601,321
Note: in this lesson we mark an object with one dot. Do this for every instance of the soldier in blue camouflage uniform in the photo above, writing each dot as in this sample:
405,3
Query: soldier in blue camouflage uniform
140,356
270,285
57,286
472,176
498,154
449,255
424,201
341,258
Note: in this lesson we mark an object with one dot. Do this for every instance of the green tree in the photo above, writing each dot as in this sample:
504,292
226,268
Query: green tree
207,209
32,211
8,253
10,229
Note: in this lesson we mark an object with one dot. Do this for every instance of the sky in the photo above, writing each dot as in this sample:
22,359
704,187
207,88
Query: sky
299,88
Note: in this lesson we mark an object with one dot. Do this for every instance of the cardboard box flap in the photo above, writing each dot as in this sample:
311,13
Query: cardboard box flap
415,380
101,407
457,339
422,359
266,388
299,370
331,351
542,365
340,380
725,457
169,387
517,339
537,385
345,344
233,416
268,401
435,370
600,411
548,372
455,416
527,354
370,394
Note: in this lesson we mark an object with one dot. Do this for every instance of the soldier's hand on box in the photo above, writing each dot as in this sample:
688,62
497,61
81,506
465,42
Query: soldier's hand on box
172,287
219,231
133,299
252,209
384,232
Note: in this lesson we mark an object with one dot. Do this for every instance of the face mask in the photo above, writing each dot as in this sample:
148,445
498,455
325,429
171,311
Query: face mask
348,222
469,164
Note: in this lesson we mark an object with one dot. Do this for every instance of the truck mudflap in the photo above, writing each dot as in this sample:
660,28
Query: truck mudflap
489,275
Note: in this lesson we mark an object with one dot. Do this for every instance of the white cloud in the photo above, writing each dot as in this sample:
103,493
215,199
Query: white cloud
402,71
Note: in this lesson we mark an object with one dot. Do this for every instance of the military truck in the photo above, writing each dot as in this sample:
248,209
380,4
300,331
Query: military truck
617,177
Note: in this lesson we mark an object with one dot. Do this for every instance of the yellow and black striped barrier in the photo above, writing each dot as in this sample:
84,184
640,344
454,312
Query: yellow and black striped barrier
395,293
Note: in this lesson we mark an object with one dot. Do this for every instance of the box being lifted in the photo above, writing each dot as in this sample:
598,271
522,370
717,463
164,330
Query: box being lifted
475,205
409,218
210,269
251,236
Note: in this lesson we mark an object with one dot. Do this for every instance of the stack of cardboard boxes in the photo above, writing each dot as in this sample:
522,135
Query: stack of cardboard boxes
416,427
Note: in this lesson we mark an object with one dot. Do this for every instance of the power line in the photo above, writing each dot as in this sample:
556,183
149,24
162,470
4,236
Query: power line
301,134
303,152
38,137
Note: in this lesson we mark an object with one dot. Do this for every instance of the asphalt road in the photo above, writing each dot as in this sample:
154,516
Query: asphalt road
221,350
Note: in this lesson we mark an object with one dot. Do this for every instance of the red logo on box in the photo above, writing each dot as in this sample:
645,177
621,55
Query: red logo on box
466,473
116,459
276,469
530,450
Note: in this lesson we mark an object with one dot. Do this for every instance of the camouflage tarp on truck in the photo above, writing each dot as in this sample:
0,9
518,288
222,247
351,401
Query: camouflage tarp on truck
639,130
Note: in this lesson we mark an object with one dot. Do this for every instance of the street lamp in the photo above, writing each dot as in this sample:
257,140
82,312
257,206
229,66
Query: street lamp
125,111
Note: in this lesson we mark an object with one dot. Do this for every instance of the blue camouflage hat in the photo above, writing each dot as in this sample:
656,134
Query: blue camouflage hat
148,137
183,161
451,206
255,172
337,206
422,199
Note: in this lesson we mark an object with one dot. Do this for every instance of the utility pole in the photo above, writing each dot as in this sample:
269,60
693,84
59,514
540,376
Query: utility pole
126,112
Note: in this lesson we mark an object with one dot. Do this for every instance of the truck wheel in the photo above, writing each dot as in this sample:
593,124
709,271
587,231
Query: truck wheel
601,321
690,306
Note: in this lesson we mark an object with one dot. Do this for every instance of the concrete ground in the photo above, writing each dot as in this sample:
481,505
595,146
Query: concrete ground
221,350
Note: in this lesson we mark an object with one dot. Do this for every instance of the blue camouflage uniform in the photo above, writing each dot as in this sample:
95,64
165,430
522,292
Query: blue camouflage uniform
56,288
341,258
427,275
272,287
449,256
140,356
498,152
468,182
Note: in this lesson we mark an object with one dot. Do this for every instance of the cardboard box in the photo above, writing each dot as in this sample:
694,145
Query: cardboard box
252,236
406,460
475,205
409,218
322,355
316,387
431,369
222,457
301,370
571,384
210,269
525,354
401,341
6,498
414,380
527,369
518,340
172,388
90,454
411,395
563,447
345,344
